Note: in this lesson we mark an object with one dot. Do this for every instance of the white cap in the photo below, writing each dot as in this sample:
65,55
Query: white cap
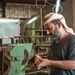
53,16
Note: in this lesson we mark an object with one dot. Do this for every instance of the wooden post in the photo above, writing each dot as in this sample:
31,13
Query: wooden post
73,5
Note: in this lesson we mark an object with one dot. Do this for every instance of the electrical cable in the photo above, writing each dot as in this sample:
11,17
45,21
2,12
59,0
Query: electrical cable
50,3
40,7
61,9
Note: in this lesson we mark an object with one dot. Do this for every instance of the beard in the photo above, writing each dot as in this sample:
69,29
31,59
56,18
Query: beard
56,35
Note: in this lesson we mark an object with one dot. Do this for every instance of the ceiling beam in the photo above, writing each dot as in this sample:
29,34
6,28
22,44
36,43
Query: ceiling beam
30,1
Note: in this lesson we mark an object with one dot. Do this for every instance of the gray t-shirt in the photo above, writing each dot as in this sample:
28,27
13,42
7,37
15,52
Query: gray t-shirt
64,50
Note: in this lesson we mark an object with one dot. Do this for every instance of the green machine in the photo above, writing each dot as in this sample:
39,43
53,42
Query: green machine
16,56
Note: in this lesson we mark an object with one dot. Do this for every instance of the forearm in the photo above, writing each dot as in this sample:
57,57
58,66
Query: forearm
67,64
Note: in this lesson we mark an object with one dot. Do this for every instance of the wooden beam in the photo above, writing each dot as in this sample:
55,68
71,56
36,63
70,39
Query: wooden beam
30,1
73,5
3,8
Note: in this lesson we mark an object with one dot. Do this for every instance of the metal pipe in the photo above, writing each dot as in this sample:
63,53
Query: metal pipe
41,13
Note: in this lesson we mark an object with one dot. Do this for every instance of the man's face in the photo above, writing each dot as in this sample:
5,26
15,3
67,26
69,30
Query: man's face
53,30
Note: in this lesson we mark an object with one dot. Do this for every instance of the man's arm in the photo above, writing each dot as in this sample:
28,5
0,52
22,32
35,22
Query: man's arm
64,64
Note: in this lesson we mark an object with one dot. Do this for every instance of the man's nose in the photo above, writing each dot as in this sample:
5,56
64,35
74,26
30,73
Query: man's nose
47,32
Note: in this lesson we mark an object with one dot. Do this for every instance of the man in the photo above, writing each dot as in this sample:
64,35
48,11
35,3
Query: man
62,51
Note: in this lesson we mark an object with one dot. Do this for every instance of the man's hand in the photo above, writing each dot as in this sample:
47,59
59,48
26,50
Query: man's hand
44,63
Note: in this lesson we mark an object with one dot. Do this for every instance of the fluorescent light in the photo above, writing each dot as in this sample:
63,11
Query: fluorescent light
57,6
5,20
32,20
